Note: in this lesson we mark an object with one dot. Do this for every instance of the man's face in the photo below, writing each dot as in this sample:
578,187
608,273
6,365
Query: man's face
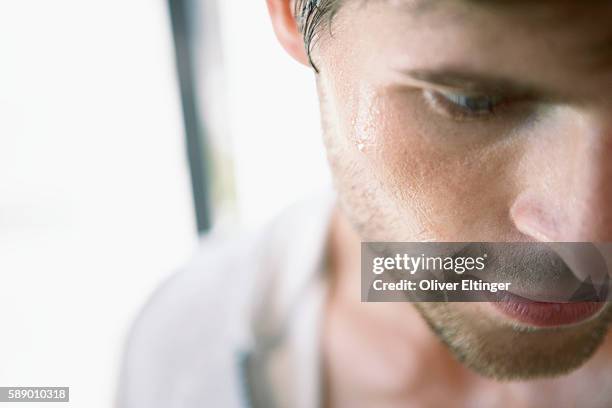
467,121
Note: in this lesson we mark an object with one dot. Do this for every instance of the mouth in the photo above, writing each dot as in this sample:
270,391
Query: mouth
545,314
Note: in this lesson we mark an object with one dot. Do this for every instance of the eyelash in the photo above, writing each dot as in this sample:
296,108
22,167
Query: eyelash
464,107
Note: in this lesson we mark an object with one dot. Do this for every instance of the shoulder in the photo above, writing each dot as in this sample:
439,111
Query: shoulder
184,348
182,329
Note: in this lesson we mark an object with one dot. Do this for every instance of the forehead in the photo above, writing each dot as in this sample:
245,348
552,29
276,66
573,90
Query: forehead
550,41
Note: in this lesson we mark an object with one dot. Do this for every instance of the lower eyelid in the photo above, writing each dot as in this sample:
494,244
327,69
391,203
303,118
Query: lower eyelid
515,107
440,125
444,106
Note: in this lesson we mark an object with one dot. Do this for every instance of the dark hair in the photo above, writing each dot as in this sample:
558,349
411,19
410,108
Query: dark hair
311,15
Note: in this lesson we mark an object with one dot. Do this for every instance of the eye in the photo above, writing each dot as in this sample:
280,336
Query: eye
463,107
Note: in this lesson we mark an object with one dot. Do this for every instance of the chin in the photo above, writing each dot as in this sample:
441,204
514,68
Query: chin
498,347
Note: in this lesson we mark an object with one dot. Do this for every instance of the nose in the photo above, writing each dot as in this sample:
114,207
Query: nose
571,198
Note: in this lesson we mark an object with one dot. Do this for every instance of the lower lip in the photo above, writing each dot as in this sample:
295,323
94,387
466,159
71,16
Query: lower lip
545,314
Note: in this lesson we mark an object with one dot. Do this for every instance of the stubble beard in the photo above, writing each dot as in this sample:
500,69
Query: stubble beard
508,351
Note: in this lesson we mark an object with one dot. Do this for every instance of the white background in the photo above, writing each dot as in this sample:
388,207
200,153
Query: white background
95,200
274,117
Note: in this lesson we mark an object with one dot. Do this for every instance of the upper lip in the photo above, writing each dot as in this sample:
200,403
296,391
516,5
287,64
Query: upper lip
586,292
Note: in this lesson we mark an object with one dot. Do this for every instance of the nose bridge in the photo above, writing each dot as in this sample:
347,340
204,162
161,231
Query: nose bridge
588,207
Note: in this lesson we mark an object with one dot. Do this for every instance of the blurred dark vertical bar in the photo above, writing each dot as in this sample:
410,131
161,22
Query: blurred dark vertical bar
195,133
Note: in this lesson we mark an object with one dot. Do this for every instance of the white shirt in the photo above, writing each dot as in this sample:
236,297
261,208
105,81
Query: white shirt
240,326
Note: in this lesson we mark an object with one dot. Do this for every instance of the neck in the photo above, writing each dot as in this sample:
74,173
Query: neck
397,350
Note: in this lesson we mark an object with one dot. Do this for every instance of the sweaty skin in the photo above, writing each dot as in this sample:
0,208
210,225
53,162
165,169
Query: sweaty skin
463,121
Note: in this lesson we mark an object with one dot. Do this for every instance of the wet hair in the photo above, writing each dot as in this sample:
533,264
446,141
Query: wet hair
311,16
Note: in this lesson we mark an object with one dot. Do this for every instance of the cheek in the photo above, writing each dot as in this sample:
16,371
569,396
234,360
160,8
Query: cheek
457,193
